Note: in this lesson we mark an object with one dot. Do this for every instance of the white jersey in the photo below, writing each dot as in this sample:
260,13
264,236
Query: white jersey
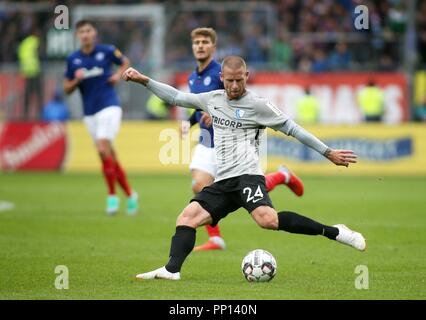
238,126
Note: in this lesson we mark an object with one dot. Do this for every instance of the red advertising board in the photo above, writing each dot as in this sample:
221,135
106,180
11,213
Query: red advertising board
32,146
336,92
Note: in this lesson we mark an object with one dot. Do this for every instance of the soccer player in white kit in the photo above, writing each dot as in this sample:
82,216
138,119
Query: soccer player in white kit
205,78
240,181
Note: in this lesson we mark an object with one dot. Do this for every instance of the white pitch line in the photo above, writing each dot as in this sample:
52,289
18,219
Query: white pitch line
6,205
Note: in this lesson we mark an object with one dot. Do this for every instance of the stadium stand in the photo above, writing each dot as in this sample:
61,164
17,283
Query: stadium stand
286,35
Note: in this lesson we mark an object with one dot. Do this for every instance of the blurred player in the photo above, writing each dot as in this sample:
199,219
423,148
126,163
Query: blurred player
205,78
90,70
240,183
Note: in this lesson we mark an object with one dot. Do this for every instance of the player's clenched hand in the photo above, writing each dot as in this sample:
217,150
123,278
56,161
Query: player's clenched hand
206,119
341,157
134,75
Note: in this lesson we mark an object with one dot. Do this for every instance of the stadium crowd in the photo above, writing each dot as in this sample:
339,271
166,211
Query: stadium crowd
309,35
278,35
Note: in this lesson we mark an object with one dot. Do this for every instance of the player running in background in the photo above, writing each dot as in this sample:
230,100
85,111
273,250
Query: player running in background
90,70
239,181
205,78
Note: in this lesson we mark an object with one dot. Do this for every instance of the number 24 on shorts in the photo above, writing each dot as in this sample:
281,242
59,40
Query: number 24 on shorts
258,194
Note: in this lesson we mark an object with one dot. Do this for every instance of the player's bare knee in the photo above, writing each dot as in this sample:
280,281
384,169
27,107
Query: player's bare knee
188,216
183,218
104,148
266,218
104,152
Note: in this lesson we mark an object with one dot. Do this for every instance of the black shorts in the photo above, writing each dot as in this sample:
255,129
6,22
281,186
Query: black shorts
226,196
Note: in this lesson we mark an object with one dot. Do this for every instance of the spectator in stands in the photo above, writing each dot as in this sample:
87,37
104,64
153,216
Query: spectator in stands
136,49
386,63
397,17
156,108
371,99
231,46
420,111
56,109
281,51
255,45
321,62
308,108
340,57
30,69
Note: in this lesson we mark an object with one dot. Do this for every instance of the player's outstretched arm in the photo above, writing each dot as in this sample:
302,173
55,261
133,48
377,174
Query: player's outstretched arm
165,92
338,157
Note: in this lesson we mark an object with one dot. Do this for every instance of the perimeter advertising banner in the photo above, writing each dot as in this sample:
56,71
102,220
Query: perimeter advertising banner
381,150
336,92
156,147
32,146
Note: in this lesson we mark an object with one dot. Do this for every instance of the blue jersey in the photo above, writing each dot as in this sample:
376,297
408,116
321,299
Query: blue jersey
205,81
97,93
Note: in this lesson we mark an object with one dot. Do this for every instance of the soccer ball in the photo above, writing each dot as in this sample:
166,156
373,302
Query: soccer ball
259,266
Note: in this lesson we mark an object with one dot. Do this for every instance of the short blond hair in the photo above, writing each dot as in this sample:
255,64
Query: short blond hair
234,62
206,32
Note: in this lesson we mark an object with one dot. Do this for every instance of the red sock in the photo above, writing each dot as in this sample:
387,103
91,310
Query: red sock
122,179
108,166
213,231
273,179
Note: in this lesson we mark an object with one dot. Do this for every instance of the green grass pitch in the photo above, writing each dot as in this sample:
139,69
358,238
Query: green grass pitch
58,219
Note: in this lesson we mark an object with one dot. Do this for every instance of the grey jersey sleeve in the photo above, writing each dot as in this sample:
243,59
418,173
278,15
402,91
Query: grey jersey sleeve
291,128
269,115
176,97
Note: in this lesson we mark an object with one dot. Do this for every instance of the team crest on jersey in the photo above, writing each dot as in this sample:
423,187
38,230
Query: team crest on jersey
100,56
207,80
239,113
77,61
